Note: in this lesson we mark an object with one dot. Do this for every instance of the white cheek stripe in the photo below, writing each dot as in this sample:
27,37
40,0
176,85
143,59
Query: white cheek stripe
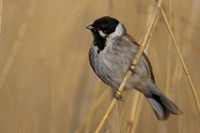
102,34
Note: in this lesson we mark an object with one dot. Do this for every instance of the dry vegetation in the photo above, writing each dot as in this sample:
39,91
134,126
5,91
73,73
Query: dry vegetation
47,85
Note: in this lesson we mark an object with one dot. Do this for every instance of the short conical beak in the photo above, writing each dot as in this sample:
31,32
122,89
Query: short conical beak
90,27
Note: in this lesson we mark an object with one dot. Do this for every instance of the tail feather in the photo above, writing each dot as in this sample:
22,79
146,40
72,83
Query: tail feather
161,105
161,112
169,104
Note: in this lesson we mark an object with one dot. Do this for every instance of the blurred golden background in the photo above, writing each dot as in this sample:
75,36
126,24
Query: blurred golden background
47,85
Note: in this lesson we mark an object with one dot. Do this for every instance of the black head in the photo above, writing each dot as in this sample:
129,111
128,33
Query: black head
103,26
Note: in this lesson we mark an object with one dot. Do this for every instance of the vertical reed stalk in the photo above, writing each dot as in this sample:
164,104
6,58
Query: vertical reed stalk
181,58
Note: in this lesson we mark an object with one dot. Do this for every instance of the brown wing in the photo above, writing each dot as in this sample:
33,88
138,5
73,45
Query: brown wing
131,39
150,67
148,62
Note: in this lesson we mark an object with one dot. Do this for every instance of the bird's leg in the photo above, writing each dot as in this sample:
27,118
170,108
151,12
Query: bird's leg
118,95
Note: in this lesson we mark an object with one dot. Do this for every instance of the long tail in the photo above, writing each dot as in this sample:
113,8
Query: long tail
161,105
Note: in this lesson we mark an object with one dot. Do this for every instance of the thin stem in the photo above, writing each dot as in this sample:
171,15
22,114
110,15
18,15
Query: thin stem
1,13
181,58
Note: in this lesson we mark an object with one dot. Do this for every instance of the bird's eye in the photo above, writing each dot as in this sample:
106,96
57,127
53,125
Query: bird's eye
104,30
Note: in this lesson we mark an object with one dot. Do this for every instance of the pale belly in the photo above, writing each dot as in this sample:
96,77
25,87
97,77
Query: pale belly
112,71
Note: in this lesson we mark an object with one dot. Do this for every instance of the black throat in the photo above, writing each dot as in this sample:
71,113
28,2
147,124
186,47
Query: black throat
99,42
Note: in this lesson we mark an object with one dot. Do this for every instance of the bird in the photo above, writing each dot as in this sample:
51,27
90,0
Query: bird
111,55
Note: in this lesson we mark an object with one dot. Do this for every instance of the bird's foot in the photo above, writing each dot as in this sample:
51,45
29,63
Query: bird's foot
118,95
130,68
